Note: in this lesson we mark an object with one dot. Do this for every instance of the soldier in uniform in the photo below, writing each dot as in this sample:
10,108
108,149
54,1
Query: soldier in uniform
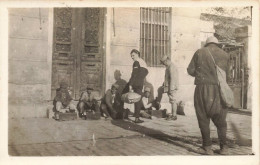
170,86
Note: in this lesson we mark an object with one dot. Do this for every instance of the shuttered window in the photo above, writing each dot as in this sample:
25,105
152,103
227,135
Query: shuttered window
154,34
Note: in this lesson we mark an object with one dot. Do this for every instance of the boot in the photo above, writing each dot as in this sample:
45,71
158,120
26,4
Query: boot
137,120
205,150
223,150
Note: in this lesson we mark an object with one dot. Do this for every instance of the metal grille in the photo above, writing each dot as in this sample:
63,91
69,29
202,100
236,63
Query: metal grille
155,34
236,68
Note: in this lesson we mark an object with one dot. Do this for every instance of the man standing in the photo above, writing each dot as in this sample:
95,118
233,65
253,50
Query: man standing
136,82
206,97
170,86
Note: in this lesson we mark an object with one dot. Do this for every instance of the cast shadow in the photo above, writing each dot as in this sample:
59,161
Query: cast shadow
183,142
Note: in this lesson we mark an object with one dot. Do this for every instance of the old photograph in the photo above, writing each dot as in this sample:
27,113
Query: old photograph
130,81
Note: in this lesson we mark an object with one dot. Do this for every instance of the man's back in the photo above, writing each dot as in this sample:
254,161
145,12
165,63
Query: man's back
203,67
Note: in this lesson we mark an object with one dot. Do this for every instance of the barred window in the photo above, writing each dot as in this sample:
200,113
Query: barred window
154,34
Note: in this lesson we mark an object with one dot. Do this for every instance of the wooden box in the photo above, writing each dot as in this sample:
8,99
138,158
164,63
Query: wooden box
158,113
67,116
92,116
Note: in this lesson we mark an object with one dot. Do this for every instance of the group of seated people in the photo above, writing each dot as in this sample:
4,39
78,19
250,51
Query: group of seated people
111,107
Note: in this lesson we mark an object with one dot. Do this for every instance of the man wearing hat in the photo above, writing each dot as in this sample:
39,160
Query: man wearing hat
62,99
206,97
109,104
170,86
147,103
87,102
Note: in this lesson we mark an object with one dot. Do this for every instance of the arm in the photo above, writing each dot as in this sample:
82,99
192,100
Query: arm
192,66
108,97
136,67
145,104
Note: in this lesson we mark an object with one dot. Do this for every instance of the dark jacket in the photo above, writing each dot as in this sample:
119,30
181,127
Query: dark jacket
63,96
202,66
138,75
108,100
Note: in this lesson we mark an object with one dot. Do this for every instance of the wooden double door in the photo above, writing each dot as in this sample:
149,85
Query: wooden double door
78,55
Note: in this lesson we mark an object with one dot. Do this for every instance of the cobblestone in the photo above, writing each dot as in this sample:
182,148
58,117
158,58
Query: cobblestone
47,137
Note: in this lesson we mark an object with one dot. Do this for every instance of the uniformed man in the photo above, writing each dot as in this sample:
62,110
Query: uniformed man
170,86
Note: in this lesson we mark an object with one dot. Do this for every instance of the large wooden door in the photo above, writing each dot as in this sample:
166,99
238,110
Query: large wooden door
78,56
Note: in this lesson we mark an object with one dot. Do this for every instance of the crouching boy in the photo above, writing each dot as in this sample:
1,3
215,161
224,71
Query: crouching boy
148,104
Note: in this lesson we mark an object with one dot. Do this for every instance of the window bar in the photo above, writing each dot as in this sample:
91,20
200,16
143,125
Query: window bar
150,36
157,37
144,34
141,32
154,37
236,70
161,37
239,70
151,47
164,27
147,37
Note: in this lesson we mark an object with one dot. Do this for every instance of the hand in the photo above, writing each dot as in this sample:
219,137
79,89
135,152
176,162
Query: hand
130,88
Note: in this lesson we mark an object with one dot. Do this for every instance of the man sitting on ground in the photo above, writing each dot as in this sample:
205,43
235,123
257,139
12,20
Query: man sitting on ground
87,102
63,100
109,104
148,104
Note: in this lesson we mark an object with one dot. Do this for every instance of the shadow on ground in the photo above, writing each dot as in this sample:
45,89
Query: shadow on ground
190,143
177,141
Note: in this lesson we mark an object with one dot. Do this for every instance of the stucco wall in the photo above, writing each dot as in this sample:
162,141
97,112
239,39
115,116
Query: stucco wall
185,40
124,36
29,62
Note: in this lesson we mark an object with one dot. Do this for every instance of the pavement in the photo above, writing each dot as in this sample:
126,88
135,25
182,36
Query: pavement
47,137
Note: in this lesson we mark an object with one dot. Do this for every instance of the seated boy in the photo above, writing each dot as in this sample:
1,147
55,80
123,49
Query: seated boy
148,104
110,103
87,102
63,100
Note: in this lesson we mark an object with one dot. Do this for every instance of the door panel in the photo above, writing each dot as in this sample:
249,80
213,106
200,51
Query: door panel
78,49
91,60
63,58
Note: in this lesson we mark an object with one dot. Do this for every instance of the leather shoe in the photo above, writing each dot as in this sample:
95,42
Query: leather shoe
137,120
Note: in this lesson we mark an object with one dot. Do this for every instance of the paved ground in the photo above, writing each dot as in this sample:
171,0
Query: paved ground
47,137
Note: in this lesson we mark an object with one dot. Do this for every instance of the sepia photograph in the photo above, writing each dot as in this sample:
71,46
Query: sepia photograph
131,81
